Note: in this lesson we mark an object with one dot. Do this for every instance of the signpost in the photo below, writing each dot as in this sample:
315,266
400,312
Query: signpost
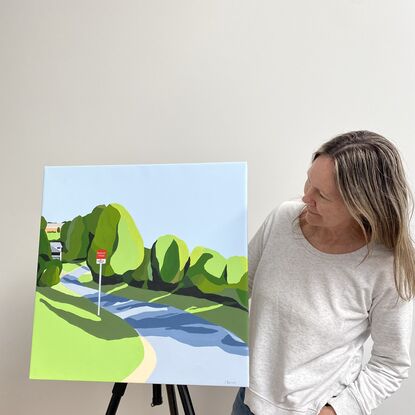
101,259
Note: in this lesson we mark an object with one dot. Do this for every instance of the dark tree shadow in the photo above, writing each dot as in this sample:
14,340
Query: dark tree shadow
110,327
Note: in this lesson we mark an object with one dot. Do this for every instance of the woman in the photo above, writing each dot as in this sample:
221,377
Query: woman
324,274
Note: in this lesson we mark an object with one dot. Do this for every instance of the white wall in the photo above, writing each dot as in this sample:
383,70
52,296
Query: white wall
111,82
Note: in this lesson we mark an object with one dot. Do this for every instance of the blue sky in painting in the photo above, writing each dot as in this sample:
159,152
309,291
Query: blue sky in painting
202,203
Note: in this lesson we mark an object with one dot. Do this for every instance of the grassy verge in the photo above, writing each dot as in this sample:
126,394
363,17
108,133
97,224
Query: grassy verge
70,342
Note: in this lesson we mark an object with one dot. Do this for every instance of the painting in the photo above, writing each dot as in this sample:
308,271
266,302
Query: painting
142,275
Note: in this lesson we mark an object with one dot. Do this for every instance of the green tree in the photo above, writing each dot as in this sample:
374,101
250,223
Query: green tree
169,257
51,274
143,274
64,231
206,270
76,242
44,253
91,220
117,233
237,279
44,244
48,269
213,275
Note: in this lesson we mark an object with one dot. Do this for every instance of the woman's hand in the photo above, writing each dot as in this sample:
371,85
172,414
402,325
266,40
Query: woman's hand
327,410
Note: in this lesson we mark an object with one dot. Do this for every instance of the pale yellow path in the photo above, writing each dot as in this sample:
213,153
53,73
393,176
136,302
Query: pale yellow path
146,367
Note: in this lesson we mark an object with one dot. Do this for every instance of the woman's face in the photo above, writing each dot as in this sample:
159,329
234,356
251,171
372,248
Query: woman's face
325,206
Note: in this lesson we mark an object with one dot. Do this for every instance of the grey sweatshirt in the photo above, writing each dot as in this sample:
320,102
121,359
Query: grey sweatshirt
311,312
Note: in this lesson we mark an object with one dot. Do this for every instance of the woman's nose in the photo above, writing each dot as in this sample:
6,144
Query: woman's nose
307,199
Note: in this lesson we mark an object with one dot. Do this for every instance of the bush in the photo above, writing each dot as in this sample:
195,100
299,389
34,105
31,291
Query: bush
51,274
169,257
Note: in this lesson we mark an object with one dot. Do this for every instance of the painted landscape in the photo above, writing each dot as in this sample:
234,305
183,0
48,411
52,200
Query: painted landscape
113,304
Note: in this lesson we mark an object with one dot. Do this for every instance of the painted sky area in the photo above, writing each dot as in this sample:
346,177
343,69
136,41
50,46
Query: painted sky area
205,204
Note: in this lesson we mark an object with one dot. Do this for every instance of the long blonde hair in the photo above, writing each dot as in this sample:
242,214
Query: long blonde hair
370,177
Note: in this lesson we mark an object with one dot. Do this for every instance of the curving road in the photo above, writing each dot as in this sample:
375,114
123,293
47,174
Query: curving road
189,350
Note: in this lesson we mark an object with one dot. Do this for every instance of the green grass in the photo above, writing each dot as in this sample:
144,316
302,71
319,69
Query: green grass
85,278
53,236
70,266
231,318
70,342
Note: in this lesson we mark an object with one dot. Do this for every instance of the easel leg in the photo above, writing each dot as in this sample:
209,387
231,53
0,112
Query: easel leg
157,398
186,401
117,393
171,395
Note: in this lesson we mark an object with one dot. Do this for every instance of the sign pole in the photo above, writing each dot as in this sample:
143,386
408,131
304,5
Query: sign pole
99,288
101,259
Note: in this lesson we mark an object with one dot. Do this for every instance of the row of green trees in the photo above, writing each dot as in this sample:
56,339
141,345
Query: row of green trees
167,265
48,269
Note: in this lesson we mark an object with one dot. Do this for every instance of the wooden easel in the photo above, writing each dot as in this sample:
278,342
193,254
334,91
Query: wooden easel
119,389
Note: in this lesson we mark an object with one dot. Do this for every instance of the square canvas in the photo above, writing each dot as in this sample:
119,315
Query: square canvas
142,275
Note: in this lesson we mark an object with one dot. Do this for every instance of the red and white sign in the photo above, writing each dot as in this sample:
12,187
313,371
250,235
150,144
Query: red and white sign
101,256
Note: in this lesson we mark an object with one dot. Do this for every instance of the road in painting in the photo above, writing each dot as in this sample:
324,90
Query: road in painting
171,331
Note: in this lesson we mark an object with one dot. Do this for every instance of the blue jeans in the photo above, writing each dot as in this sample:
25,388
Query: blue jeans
239,408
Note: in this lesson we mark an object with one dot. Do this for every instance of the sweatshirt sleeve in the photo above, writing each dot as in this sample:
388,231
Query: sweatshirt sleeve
256,246
391,328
